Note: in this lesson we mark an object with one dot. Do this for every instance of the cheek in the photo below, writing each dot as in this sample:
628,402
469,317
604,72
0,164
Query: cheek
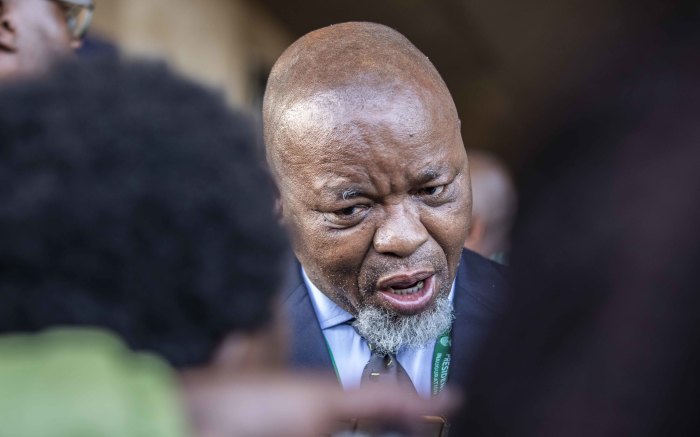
342,253
335,252
448,226
45,23
8,65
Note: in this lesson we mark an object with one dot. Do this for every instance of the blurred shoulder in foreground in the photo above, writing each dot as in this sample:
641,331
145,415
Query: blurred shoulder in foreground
602,335
65,383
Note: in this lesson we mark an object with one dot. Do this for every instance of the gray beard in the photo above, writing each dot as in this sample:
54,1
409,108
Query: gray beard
388,332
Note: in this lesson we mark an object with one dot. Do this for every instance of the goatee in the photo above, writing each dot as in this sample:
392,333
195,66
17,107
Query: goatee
388,332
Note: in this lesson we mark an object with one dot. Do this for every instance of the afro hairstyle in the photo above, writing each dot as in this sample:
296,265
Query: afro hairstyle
136,201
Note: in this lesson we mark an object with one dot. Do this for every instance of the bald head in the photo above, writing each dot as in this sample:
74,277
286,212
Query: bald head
364,142
350,67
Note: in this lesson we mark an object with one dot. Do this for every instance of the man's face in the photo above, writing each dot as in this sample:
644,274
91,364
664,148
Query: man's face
374,189
32,34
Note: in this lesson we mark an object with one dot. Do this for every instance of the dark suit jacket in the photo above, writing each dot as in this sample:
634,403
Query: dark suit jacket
479,296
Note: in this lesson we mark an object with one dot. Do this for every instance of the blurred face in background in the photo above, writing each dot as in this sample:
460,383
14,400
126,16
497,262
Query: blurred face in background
32,34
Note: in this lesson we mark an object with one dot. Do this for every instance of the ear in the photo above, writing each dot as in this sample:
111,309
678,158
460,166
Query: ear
476,234
278,206
279,210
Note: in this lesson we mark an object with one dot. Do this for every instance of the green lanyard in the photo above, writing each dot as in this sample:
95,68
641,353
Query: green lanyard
442,355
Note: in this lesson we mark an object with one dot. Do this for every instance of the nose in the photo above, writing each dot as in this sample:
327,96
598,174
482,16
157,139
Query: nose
401,233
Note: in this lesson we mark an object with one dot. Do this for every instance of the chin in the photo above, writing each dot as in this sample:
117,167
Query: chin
389,331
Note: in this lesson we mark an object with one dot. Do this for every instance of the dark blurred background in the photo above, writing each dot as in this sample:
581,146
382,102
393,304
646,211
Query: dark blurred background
511,65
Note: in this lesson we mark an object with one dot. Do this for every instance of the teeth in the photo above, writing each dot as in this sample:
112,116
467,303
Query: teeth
411,290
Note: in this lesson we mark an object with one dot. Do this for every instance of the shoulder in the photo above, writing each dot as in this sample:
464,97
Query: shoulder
42,370
483,280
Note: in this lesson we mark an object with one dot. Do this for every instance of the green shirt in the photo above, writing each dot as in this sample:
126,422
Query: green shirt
84,383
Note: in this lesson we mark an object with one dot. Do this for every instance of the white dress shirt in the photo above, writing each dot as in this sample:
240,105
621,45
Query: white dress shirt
350,351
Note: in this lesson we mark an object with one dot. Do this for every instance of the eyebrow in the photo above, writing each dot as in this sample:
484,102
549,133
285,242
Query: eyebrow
349,193
427,176
422,178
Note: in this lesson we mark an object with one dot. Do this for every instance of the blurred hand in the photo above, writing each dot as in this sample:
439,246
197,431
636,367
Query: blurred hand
286,405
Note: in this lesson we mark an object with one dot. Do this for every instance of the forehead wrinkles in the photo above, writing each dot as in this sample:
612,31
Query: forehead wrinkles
327,123
371,134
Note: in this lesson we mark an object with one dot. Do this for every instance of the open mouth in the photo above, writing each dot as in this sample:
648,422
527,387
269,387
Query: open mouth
407,293
410,290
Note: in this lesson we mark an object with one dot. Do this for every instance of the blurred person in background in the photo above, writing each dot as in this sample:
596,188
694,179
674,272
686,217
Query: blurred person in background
364,142
34,33
134,204
603,336
124,215
493,206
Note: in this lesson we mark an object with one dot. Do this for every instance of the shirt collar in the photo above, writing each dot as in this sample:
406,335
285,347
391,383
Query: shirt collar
329,314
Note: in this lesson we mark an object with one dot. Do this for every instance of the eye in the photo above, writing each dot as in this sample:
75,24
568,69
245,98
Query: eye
348,216
433,191
347,212
351,211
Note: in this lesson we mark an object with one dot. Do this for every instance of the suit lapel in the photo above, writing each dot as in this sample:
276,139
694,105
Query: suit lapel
478,300
308,345
479,296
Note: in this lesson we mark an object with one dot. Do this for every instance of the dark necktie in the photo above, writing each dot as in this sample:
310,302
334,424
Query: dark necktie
385,368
